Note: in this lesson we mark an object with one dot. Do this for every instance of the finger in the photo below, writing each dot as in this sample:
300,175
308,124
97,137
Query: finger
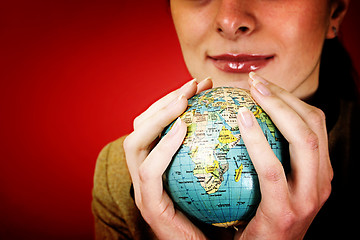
152,169
188,90
313,116
315,119
272,179
204,85
138,144
147,132
303,141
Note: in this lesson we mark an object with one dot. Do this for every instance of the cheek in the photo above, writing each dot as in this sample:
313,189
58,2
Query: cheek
193,38
305,25
300,40
191,24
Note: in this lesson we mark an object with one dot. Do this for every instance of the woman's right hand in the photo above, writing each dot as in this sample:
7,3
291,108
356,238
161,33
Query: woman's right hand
147,163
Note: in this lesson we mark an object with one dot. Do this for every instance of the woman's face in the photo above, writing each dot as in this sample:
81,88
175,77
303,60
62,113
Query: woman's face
280,39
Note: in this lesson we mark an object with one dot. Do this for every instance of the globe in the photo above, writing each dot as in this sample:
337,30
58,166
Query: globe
211,177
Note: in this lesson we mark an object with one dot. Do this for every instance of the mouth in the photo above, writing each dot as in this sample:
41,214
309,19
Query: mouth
240,63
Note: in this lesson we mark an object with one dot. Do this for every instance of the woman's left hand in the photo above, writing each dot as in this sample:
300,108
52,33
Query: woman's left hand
289,202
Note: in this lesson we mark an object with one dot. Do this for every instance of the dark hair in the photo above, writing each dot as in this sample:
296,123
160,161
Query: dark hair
337,71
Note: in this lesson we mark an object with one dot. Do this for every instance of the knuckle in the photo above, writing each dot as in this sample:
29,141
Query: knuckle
138,202
273,174
143,173
330,171
284,219
325,192
131,144
331,174
317,116
287,221
137,121
311,140
310,208
128,143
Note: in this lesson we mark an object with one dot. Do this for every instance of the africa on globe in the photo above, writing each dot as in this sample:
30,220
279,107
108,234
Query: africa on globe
211,177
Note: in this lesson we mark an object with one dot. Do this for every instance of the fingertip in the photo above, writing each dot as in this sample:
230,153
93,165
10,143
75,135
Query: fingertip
183,100
256,78
204,85
245,117
189,88
251,76
193,82
178,127
182,127
180,100
189,83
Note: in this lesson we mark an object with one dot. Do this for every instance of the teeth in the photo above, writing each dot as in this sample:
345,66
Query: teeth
236,65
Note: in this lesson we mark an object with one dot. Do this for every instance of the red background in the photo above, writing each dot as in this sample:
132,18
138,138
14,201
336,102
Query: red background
73,75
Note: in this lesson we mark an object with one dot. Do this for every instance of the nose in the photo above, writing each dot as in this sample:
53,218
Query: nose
234,18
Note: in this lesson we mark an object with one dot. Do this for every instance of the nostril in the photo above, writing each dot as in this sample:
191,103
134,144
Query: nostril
232,31
243,29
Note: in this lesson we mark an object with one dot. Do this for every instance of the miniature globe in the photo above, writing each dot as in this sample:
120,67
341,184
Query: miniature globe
211,177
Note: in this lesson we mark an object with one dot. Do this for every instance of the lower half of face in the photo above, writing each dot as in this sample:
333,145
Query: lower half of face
280,40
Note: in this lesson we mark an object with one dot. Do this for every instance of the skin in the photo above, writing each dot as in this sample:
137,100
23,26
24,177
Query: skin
292,30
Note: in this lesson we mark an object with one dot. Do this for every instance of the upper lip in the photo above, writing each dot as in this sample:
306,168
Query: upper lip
234,57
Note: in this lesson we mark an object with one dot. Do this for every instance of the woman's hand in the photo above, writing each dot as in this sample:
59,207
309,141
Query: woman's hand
147,164
290,202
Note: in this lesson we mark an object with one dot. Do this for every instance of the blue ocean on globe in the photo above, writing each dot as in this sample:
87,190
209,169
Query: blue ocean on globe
211,177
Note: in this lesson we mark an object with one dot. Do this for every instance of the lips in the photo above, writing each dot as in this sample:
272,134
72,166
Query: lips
240,63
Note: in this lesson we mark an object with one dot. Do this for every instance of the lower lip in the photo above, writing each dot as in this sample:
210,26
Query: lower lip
241,66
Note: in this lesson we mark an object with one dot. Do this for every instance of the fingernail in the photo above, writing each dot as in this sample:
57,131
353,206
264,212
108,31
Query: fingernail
175,126
200,84
176,100
256,78
245,117
188,84
262,88
251,76
193,81
260,84
204,80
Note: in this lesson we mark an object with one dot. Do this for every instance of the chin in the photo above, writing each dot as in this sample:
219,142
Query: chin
231,80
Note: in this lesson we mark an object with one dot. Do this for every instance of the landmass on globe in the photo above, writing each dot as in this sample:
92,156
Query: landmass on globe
211,177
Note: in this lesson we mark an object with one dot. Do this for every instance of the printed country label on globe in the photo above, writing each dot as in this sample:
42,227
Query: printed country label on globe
211,177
